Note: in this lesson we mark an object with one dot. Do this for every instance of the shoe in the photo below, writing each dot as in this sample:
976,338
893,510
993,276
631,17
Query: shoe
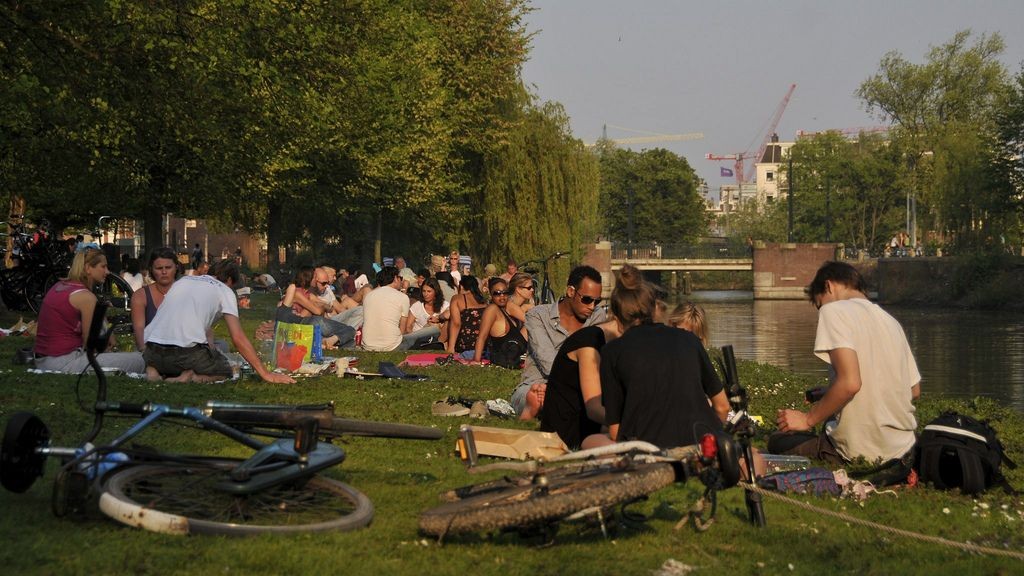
501,408
448,408
478,409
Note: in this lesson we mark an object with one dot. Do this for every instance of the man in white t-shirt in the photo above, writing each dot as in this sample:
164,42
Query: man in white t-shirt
384,311
874,379
179,340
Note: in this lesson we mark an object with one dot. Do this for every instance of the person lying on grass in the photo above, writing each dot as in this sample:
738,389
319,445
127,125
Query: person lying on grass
179,340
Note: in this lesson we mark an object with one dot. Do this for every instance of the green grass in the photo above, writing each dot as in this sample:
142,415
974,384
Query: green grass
403,477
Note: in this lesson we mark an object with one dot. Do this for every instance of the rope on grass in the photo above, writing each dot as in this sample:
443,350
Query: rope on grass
965,546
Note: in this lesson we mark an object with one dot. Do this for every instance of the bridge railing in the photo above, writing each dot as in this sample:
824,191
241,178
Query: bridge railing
654,251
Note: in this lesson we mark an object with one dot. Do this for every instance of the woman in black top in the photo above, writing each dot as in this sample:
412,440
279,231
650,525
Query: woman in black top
656,380
572,402
500,333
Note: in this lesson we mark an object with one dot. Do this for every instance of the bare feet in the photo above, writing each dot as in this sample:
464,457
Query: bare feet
152,375
185,376
330,343
534,401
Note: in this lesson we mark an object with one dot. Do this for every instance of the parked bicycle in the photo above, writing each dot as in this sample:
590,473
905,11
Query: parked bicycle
544,294
589,482
276,490
41,261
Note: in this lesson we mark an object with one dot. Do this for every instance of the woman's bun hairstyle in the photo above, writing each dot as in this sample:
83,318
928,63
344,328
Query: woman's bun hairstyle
633,299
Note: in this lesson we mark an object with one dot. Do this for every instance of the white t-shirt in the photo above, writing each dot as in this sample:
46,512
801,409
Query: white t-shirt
384,308
136,281
419,311
328,297
190,308
878,423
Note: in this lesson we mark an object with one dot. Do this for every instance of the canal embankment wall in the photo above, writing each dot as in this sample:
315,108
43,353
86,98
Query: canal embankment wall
977,281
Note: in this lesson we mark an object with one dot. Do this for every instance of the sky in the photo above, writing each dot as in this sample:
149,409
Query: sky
722,67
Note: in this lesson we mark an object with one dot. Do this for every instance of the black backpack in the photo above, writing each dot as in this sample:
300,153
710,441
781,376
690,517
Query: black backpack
957,451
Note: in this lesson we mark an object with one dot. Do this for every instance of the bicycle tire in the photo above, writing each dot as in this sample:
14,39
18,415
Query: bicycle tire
37,286
117,291
528,505
178,499
382,429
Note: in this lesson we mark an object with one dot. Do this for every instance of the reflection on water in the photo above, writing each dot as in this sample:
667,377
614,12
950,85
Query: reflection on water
959,353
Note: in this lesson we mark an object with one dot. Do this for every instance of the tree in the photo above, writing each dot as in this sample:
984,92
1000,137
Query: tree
944,114
649,196
540,191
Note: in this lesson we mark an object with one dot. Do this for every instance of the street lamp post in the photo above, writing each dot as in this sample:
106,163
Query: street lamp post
790,179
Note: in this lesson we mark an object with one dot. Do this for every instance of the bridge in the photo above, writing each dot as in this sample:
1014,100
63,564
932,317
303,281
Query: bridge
780,271
686,258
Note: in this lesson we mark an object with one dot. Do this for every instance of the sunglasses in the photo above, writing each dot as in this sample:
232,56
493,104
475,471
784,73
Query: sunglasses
587,300
530,287
500,292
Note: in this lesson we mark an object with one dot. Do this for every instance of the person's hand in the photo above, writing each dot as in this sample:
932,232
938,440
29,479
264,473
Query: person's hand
792,421
278,378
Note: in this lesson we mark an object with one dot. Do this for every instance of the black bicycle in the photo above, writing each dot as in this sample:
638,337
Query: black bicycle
277,489
544,294
591,482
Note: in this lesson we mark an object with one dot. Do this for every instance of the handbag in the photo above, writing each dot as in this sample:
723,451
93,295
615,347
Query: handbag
296,344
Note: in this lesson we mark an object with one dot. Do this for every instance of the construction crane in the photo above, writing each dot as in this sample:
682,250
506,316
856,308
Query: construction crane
853,132
650,138
739,158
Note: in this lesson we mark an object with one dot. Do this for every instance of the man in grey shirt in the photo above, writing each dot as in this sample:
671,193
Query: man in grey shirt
548,325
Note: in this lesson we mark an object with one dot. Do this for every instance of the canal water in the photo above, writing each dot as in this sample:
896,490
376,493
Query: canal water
960,353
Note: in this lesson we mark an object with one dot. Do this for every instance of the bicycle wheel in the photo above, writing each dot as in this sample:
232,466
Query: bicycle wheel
37,286
117,291
562,496
506,482
185,500
382,429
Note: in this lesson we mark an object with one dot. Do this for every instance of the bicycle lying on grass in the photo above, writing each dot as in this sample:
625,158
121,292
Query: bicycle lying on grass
589,482
276,490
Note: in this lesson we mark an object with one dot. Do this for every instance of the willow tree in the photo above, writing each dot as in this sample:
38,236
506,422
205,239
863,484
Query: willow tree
540,191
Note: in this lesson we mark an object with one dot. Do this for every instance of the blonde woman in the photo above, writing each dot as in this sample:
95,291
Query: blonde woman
521,289
691,317
66,315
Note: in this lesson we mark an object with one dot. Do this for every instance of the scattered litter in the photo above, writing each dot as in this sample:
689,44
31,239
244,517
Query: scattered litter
673,567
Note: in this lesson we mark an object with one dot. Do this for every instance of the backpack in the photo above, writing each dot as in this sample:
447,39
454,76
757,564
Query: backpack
957,451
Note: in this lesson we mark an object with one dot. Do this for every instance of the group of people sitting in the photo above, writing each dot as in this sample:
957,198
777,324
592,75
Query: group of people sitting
641,373
641,376
172,321
446,309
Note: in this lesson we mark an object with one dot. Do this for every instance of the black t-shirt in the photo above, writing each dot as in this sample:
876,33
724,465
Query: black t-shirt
564,411
655,383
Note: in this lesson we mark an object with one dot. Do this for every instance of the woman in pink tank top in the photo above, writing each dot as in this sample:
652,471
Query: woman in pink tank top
65,315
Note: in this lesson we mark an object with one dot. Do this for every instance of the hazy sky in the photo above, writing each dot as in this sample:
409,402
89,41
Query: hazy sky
722,67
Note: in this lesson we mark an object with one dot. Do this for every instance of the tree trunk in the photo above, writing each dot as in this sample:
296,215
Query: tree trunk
274,238
152,229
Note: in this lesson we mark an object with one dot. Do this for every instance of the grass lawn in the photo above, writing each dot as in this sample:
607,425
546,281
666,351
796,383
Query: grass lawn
404,477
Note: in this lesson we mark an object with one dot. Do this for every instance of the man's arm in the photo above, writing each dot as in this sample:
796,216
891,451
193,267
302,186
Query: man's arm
540,348
249,353
846,385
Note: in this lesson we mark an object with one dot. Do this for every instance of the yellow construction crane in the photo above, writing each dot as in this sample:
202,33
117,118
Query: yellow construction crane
651,137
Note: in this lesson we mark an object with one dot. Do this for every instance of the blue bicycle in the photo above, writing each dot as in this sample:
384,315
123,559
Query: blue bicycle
276,490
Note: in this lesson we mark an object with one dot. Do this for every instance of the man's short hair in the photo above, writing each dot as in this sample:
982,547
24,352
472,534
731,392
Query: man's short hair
386,275
227,270
577,274
839,272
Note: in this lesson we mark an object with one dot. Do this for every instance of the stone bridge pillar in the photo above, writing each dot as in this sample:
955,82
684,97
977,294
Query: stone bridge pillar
781,271
599,256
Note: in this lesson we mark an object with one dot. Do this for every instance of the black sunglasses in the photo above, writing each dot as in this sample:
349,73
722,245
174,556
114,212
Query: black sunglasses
500,292
587,300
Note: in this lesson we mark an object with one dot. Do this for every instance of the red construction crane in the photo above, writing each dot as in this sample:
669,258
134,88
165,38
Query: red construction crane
738,169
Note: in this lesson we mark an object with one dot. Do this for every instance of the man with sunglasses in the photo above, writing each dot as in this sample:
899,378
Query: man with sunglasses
548,326
868,410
